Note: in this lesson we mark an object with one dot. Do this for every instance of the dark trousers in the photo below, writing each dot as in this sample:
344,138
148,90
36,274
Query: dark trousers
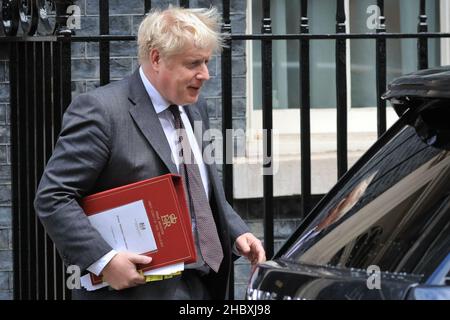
192,287
188,286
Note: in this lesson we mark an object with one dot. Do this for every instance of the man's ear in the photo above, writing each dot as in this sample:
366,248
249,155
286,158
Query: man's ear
155,59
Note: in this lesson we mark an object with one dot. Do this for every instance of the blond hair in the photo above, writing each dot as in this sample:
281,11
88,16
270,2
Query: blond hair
170,30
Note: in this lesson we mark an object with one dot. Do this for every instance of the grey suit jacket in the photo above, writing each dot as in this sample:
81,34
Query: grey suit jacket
110,137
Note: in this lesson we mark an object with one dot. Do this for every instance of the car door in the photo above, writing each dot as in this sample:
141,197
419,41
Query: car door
390,214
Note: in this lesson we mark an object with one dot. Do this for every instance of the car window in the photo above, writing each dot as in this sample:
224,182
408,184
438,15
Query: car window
441,276
393,213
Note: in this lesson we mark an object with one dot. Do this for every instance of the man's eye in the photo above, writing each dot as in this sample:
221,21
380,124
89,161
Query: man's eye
195,64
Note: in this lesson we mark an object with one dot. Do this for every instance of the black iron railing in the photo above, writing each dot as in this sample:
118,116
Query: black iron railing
40,91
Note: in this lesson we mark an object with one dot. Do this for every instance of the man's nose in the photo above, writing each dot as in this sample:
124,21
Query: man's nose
203,74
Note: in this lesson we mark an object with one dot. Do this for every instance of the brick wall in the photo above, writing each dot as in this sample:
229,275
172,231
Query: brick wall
6,274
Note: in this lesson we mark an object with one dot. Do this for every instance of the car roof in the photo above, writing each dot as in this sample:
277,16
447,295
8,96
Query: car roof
429,83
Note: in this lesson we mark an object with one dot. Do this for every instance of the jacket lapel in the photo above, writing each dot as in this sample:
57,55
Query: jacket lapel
147,120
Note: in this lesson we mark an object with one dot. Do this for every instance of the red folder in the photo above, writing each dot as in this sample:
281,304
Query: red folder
163,197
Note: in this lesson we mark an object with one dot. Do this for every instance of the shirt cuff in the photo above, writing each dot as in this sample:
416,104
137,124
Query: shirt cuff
98,266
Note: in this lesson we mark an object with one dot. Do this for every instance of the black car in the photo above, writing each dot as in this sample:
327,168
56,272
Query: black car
383,231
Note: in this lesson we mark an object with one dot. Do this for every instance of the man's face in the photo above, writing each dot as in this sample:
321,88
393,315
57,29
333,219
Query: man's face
181,76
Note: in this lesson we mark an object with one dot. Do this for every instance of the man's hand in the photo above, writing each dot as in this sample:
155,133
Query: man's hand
121,271
250,247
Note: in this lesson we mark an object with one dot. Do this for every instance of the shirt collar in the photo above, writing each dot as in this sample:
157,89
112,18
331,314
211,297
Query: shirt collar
159,103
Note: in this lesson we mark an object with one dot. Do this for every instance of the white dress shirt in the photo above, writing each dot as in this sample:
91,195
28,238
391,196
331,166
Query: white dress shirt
168,124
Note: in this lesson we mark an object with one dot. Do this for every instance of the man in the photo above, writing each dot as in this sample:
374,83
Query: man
126,132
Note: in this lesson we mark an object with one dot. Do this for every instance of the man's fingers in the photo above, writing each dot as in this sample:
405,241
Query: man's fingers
243,247
134,281
140,279
121,271
258,254
251,247
139,259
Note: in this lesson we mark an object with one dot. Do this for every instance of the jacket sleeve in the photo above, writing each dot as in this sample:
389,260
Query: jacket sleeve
80,154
